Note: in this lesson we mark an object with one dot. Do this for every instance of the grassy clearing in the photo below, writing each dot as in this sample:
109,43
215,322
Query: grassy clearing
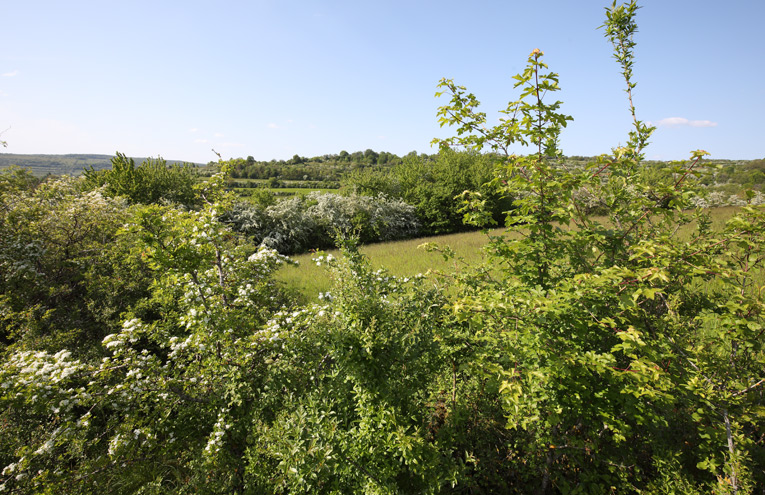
406,258
289,191
246,193
400,258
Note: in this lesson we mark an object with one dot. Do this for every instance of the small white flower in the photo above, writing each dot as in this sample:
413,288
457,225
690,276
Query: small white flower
10,468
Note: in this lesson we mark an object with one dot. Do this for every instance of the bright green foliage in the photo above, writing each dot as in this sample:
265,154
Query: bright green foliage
620,28
622,350
592,355
433,186
360,372
151,182
534,124
58,284
169,406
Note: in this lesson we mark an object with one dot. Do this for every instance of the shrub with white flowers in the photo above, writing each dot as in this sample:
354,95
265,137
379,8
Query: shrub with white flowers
308,222
150,406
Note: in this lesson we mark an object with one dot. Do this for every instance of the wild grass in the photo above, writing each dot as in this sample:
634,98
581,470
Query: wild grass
401,258
408,258
246,193
289,191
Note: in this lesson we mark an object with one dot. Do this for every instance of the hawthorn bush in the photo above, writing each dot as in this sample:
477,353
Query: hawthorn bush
313,221
629,359
59,286
166,402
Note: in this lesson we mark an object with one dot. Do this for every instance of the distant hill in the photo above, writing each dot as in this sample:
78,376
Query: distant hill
42,165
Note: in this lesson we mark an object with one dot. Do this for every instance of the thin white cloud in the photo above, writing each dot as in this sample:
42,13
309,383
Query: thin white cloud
193,129
682,122
271,125
201,141
218,134
11,74
702,123
671,121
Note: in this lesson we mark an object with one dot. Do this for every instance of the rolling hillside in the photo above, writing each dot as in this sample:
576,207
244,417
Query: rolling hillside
42,165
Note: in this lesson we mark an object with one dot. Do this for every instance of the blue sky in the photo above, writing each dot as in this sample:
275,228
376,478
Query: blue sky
276,78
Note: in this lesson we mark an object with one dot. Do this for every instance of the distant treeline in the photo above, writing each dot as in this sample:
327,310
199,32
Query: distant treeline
334,168
329,170
330,167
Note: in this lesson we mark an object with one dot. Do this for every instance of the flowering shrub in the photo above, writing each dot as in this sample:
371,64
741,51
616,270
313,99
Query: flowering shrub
370,218
56,243
169,392
716,199
308,222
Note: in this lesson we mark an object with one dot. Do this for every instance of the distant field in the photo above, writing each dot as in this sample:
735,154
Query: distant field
245,192
405,259
291,191
289,187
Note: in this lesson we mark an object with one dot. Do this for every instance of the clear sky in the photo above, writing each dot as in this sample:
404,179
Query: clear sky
276,78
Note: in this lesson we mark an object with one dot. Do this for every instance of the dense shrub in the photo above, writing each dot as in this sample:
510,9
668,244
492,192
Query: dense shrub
153,181
629,357
435,186
315,220
59,285
150,406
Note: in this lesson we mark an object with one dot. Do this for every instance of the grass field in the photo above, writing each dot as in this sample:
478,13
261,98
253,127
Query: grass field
245,192
406,258
400,258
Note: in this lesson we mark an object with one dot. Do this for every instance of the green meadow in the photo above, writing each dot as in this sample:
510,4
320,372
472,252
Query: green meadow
411,257
401,258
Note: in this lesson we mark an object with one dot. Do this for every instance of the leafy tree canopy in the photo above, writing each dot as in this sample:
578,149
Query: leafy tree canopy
151,182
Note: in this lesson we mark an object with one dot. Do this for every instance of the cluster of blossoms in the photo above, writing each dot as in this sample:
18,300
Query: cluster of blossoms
10,469
194,342
328,259
215,440
41,378
267,256
719,198
45,384
325,296
284,322
203,235
40,367
128,437
263,262
195,316
130,333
